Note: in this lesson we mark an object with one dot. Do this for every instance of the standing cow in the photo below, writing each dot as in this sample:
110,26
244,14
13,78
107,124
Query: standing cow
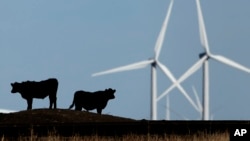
92,100
32,89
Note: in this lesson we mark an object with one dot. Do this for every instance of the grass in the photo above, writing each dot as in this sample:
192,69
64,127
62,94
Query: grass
195,137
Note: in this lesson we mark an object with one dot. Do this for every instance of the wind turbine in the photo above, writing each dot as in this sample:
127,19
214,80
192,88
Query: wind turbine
197,100
153,62
204,57
199,104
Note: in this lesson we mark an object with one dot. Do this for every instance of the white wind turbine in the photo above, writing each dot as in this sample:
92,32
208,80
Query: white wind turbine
204,61
153,62
199,104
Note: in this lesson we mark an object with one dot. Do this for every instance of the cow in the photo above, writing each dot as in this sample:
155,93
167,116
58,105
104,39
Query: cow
92,100
32,89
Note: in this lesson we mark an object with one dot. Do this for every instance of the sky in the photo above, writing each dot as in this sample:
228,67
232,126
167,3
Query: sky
71,40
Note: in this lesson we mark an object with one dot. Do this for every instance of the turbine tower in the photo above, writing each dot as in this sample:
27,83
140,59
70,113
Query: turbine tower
204,57
153,62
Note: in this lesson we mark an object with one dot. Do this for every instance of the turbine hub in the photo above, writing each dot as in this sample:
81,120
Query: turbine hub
202,54
154,64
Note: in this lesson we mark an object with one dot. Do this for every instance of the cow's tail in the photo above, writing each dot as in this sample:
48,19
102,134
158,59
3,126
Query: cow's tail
73,104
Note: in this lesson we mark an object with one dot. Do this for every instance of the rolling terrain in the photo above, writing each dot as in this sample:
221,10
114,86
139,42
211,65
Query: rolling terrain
65,122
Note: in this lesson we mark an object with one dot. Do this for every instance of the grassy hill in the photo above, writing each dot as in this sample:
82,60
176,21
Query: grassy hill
56,116
67,123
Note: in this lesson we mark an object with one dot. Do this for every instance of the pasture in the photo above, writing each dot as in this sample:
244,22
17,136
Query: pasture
62,124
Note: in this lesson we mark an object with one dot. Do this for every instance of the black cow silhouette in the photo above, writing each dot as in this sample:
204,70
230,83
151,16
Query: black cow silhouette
32,89
92,100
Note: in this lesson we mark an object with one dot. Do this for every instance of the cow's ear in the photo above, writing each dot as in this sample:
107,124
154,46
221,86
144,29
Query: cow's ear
11,84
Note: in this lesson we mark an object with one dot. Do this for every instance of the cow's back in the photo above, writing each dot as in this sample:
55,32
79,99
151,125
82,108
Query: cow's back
90,100
48,87
43,88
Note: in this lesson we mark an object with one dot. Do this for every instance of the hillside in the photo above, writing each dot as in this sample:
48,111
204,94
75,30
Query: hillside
62,121
56,116
65,122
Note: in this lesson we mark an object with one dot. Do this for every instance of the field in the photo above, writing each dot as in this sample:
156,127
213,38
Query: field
62,124
196,137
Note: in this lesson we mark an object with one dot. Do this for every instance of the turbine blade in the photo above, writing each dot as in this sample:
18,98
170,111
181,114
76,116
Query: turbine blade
161,36
133,66
229,62
187,96
188,73
192,69
202,29
166,71
197,99
177,84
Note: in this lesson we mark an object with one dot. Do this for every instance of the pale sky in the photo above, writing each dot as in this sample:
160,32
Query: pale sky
70,40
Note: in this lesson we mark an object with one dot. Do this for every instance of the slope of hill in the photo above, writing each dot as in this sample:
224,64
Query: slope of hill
69,122
47,116
62,121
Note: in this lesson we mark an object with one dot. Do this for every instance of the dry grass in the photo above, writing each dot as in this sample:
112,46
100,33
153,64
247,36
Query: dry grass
19,124
132,137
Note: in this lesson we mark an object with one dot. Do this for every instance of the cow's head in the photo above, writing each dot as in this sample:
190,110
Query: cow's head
110,93
15,87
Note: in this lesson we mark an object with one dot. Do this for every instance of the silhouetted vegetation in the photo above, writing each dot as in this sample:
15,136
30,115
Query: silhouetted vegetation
131,137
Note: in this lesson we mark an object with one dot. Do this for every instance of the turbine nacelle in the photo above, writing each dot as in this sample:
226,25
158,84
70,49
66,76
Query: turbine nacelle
154,63
202,54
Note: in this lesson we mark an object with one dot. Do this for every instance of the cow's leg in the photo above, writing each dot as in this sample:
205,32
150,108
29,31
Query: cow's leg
55,103
99,110
29,102
78,108
52,101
